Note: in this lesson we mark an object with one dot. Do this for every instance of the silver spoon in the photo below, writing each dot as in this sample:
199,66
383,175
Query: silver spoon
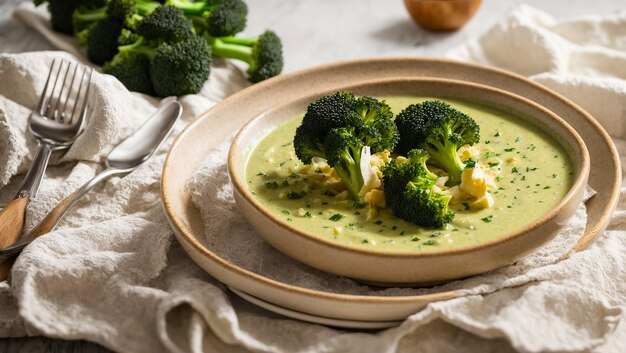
124,158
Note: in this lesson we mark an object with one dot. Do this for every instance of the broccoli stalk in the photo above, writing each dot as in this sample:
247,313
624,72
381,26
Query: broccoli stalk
440,130
61,12
263,54
343,150
410,194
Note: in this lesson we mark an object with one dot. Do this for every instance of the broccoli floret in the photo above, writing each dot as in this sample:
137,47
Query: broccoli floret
440,130
181,68
377,115
263,54
102,41
410,195
133,70
337,127
61,12
321,117
165,23
219,19
343,151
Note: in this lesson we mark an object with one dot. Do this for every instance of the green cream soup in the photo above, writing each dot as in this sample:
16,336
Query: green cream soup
534,175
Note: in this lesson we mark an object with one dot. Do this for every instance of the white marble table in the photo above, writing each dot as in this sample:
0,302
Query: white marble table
316,32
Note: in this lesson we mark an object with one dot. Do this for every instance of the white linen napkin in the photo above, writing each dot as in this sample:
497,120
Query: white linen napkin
112,274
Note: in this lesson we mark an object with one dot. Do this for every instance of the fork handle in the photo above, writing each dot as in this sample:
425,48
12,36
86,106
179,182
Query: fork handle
32,180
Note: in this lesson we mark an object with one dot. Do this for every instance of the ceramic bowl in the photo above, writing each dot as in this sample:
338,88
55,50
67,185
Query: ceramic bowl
441,15
430,266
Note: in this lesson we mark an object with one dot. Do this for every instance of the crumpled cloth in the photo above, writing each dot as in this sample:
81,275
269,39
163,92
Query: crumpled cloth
112,274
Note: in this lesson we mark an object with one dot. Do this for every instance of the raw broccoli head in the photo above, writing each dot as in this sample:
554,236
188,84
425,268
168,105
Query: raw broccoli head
166,23
378,115
263,54
440,130
181,68
343,152
227,18
133,70
102,41
122,10
61,13
410,195
267,57
321,117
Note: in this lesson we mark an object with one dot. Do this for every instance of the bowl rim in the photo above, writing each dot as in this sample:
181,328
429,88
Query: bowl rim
181,230
581,174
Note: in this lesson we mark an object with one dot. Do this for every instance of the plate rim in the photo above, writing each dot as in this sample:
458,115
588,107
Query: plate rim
181,231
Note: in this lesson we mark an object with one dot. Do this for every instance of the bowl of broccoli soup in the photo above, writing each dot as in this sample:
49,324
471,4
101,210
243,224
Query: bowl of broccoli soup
408,180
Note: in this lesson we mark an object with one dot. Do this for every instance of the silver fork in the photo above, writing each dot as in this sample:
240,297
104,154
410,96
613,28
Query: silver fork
55,123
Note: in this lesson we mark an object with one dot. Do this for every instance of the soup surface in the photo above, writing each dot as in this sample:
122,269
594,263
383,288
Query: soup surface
534,174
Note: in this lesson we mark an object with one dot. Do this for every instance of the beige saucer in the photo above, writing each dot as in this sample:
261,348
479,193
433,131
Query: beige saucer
215,126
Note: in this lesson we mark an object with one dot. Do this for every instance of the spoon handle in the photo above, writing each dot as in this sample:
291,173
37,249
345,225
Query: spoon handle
50,221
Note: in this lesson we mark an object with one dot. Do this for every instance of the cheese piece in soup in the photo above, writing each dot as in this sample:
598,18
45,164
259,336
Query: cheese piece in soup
534,175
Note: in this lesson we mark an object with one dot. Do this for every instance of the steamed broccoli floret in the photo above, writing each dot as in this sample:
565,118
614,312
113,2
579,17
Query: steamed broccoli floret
378,116
337,127
410,194
181,68
166,23
263,54
343,152
440,130
102,41
321,117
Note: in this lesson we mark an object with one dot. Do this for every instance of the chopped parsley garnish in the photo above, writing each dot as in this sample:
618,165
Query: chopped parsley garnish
336,217
294,195
493,164
271,184
497,134
514,170
285,211
509,149
487,219
260,174
470,163
546,187
430,242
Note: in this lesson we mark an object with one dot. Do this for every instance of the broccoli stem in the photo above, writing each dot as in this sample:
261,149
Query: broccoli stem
138,47
232,51
190,8
350,171
447,158
92,16
242,41
146,7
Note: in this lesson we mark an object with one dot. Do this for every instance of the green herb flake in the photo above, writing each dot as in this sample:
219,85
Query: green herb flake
466,206
470,163
509,149
260,174
336,217
271,184
294,195
497,134
493,164
379,222
514,170
487,219
517,139
546,187
414,238
285,211
430,242
487,142
554,176
364,241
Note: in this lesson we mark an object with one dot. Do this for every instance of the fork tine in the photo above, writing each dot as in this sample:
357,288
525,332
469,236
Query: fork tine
42,97
85,96
67,98
58,113
49,112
